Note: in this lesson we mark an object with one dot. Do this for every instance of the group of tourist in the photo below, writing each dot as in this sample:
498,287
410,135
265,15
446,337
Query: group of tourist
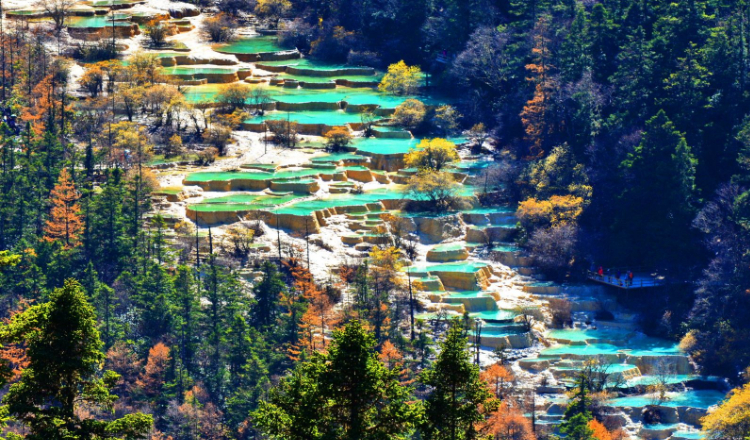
619,278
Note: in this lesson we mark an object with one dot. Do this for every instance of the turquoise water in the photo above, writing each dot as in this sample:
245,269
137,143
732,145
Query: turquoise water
94,22
693,398
251,45
499,331
339,201
467,294
590,350
305,63
326,79
328,158
331,118
355,96
392,146
448,247
242,202
495,315
492,210
466,267
506,248
580,335
640,346
385,146
693,435
181,70
472,167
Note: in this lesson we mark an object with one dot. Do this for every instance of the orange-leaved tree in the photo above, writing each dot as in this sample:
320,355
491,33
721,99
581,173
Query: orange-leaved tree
509,423
600,432
151,380
65,224
499,379
14,355
319,317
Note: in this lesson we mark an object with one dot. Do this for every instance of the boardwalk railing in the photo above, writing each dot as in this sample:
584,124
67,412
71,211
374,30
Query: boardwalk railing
642,278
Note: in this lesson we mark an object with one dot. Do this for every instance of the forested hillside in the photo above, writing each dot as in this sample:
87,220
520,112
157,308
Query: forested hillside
374,219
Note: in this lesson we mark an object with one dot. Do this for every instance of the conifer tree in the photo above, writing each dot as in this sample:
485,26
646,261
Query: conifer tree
267,296
458,398
346,394
578,414
64,353
658,206
65,224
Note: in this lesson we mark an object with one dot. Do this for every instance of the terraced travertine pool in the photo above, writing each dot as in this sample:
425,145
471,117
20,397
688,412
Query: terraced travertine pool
107,3
206,94
331,118
190,71
250,46
338,157
634,347
306,208
248,175
326,79
98,21
305,63
693,398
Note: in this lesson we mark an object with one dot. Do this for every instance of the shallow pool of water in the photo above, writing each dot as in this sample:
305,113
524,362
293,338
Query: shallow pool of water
495,315
356,96
331,118
98,21
250,45
187,71
692,398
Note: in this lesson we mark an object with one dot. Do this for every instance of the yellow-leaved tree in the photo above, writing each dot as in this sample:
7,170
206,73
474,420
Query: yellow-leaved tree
432,154
556,211
731,421
401,79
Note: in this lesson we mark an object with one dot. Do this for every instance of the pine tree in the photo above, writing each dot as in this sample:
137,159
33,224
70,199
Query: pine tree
186,307
346,394
663,175
458,398
65,224
63,349
267,296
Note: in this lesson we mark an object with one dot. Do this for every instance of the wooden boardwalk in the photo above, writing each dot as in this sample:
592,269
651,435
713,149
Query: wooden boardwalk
641,279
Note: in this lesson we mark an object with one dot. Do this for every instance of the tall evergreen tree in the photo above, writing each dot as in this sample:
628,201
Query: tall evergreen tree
63,349
657,208
267,297
458,398
346,394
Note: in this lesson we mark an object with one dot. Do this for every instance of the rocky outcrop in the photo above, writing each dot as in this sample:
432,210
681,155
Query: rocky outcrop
476,234
360,174
386,162
519,341
512,258
184,11
677,363
436,229
463,280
